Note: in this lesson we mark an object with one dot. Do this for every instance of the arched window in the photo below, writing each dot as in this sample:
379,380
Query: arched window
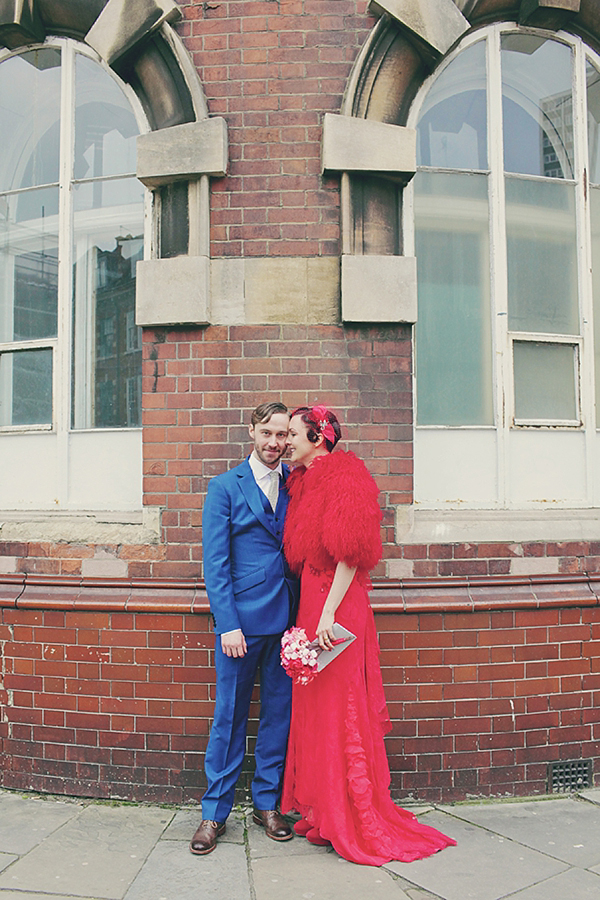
506,207
71,232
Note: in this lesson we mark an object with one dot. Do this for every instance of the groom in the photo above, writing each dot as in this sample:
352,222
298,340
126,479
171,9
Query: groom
251,594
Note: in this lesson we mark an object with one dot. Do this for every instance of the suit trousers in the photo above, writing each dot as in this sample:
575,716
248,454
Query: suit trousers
227,742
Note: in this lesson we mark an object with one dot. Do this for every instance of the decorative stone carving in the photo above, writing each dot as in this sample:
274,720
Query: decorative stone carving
436,23
182,152
550,14
362,145
20,23
123,23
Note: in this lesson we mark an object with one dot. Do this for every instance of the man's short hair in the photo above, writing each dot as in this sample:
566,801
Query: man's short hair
264,412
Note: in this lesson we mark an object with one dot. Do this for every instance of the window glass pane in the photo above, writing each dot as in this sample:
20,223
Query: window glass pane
28,265
595,216
537,106
30,119
454,360
545,381
105,126
106,340
542,256
593,106
26,387
452,130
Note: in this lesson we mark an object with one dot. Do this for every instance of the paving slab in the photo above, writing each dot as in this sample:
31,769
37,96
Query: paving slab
6,859
97,853
261,846
484,866
592,794
173,873
565,828
327,877
26,895
575,884
186,821
26,821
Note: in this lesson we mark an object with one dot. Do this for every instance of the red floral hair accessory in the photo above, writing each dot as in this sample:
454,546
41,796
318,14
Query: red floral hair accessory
318,415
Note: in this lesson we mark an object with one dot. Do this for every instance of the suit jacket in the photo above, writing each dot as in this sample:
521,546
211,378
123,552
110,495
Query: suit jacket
248,581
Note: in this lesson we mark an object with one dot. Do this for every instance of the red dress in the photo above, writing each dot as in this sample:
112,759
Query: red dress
337,774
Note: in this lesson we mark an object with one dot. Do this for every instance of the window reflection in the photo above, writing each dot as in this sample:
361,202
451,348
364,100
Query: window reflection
26,387
105,126
452,130
30,119
29,265
106,341
537,106
593,106
101,218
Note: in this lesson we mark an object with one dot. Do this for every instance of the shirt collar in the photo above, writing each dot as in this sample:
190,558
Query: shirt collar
259,470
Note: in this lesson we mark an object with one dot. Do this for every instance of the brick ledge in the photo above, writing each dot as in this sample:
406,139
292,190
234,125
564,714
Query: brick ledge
411,595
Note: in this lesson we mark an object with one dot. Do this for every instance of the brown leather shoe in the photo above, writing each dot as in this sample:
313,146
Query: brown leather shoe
274,824
205,838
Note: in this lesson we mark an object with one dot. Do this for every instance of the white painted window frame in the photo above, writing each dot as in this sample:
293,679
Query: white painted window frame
61,345
502,375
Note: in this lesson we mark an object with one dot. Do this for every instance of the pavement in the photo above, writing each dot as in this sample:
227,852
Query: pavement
60,848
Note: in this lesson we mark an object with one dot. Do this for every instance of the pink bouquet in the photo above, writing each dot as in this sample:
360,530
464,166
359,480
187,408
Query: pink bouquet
299,656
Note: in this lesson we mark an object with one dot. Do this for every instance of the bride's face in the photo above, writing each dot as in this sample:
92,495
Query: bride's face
302,451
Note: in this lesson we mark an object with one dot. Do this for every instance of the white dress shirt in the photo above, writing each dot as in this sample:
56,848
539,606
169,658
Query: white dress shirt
262,473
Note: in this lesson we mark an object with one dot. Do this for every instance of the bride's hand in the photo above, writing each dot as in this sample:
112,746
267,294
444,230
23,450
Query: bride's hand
325,634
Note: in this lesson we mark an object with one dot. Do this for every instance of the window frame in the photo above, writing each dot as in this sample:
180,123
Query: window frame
63,379
506,424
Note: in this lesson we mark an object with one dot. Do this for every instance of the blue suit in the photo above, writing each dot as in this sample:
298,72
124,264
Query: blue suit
249,587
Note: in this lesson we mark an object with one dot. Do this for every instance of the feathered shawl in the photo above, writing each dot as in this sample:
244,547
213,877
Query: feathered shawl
333,514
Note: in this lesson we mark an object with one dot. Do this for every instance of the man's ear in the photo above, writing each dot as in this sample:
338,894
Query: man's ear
251,431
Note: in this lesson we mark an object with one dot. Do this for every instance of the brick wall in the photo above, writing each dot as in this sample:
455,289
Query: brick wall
483,701
271,68
199,389
107,690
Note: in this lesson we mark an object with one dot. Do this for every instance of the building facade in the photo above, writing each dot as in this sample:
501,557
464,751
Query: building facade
388,206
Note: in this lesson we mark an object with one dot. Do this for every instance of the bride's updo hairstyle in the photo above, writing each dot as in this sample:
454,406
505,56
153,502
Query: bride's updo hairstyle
320,421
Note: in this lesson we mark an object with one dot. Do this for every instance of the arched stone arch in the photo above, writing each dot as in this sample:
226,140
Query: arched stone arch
375,152
183,149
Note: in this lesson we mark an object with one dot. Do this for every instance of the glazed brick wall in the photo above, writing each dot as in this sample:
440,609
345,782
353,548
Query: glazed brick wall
482,702
201,385
272,68
117,704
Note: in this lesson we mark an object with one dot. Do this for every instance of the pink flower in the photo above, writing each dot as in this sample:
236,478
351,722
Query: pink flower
298,656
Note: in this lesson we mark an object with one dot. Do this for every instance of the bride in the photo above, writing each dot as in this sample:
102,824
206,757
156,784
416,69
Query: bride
337,774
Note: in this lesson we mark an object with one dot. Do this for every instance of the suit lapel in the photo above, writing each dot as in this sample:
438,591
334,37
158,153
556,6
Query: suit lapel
252,493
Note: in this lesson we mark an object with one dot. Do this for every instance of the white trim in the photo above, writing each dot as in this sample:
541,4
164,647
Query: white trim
416,525
61,345
506,426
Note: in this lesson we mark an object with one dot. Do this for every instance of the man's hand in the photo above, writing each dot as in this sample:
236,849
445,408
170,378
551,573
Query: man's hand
234,643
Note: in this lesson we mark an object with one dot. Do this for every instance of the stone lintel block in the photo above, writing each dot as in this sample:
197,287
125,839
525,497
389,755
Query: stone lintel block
549,14
173,291
362,145
123,23
182,152
379,289
275,290
20,24
436,23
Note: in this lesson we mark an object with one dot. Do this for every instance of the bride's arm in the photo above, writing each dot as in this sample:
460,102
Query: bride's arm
341,582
